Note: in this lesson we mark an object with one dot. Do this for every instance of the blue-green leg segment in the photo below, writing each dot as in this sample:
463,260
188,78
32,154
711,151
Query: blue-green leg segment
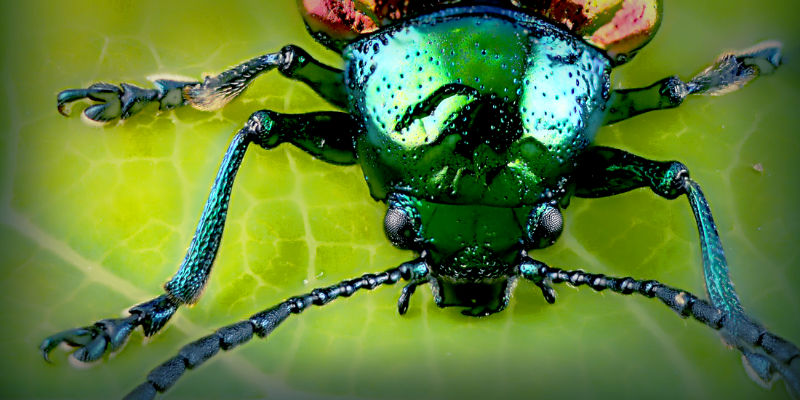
327,135
729,72
607,171
213,93
262,324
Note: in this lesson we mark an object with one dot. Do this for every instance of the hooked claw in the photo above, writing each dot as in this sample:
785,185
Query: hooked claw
92,341
124,100
108,95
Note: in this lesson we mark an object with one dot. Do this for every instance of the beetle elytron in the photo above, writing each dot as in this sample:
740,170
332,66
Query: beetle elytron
473,121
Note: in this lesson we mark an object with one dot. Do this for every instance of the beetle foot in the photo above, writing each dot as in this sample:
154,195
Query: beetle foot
766,356
733,70
759,368
110,334
765,370
124,100
92,341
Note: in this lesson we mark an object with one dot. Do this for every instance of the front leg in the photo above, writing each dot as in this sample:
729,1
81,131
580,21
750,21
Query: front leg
213,93
729,72
326,135
605,171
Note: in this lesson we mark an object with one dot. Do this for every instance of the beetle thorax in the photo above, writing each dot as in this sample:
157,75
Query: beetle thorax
474,106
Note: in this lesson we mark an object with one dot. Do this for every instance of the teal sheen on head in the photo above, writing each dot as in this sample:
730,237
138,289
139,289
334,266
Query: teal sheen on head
469,109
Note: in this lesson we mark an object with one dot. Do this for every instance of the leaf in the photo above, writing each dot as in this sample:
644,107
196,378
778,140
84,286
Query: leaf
96,219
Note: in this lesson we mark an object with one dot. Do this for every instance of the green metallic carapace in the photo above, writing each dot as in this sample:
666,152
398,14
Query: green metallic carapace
468,107
474,121
486,111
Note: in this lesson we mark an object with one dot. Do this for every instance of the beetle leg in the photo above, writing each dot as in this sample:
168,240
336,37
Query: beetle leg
262,324
213,93
327,135
764,352
110,334
608,171
729,72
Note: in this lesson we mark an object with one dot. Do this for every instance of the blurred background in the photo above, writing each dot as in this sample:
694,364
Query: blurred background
95,219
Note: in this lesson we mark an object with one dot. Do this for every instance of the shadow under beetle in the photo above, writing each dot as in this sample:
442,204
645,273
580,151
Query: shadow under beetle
473,121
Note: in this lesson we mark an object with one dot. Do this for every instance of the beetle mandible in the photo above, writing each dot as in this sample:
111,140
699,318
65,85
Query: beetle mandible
429,145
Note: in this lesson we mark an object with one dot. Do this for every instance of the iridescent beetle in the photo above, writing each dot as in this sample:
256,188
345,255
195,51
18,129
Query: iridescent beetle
473,120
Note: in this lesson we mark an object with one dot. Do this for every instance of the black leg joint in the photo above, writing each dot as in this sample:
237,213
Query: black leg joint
260,128
671,183
154,314
673,91
292,58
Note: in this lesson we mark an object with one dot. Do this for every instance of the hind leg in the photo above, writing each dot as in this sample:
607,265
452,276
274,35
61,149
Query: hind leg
606,171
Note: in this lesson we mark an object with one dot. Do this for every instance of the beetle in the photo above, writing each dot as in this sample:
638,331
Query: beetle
545,213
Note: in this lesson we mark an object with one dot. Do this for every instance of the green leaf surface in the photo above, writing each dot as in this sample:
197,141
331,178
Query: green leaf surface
94,220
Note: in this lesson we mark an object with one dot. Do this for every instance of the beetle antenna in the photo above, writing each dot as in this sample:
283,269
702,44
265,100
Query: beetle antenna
262,324
764,352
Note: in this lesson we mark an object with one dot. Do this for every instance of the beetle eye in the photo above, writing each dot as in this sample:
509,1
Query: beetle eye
399,228
544,225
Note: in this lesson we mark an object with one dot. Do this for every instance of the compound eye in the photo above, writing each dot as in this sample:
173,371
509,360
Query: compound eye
544,225
399,228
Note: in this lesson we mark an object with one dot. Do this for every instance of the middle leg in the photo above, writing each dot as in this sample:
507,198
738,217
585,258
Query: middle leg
326,135
765,352
606,171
